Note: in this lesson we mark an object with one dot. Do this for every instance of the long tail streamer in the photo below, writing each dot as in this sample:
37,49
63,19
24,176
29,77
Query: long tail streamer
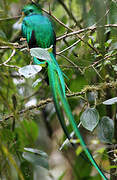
57,87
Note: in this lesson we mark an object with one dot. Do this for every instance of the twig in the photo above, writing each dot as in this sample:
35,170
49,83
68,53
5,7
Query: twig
10,18
9,59
67,140
71,62
102,17
13,53
68,67
70,13
91,28
100,87
74,53
41,104
97,52
13,45
97,72
102,59
69,47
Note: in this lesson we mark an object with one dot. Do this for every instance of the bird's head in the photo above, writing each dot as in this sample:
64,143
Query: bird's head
31,9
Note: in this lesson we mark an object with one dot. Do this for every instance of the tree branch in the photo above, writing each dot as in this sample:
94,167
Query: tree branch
70,13
91,28
10,18
9,59
100,87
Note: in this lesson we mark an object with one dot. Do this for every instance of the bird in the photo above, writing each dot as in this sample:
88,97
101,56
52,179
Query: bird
39,33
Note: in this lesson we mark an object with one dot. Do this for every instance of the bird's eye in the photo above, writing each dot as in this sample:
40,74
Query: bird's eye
31,10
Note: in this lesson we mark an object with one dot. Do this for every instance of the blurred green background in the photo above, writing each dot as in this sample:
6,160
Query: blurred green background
29,127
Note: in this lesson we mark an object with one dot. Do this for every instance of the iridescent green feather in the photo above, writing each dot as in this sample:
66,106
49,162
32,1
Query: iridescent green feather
38,31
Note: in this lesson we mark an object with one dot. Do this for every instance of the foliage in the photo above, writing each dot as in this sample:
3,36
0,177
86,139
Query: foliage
86,53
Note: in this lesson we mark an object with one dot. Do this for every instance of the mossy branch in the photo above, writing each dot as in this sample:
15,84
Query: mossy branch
96,88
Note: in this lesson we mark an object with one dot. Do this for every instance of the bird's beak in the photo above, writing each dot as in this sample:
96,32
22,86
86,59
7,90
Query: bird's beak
22,13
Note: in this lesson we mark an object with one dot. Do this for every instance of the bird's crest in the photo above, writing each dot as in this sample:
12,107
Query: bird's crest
32,8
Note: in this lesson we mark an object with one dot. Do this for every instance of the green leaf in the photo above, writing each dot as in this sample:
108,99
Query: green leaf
27,170
91,97
106,129
90,118
29,70
35,158
110,101
40,53
27,133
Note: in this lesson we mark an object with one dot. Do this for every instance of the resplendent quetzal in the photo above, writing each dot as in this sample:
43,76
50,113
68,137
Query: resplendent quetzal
39,32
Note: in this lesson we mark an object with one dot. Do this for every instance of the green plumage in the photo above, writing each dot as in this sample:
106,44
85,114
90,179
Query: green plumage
39,32
44,36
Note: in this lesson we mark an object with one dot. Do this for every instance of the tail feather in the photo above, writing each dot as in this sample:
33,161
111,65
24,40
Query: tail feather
54,84
59,72
77,132
58,91
57,85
